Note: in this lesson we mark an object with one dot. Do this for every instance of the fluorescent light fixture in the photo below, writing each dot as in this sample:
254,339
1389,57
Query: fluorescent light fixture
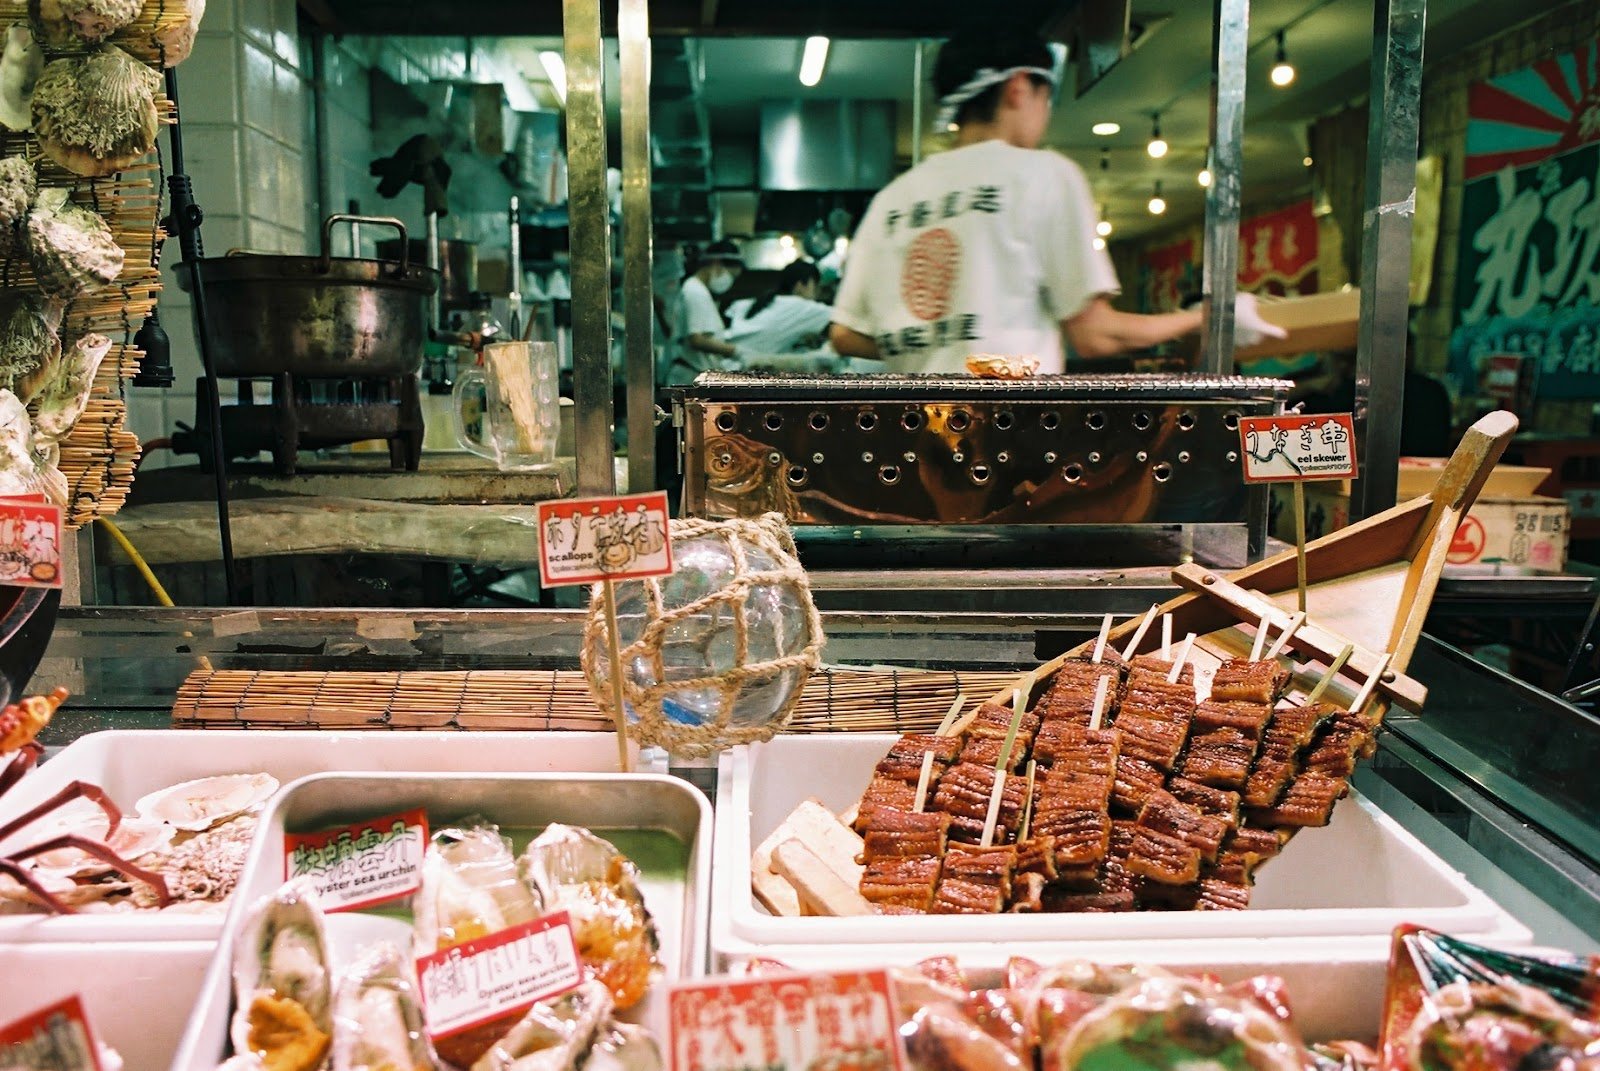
1282,70
1158,144
555,68
1105,130
812,60
1204,177
1099,243
1103,228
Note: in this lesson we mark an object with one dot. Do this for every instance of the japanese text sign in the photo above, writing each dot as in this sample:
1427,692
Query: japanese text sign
505,973
587,540
785,1022
362,864
30,542
56,1037
1282,449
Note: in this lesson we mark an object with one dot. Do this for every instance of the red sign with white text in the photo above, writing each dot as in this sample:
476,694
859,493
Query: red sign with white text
56,1037
30,542
785,1022
587,540
1284,449
505,973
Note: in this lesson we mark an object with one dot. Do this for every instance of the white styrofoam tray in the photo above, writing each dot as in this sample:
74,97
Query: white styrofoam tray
130,763
136,994
679,904
1361,876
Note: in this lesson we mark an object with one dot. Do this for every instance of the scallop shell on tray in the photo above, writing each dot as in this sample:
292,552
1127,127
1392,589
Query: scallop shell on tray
202,803
282,980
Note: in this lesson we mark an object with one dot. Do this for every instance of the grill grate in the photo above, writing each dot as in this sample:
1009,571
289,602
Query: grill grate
730,386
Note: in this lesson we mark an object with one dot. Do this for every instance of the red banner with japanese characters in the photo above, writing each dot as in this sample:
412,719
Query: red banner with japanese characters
1278,251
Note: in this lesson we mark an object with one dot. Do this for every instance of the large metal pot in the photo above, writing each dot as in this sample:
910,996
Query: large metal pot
458,262
321,317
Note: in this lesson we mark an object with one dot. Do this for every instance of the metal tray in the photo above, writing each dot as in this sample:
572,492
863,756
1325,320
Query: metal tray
677,892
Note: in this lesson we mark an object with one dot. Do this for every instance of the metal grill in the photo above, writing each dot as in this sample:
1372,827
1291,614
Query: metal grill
725,386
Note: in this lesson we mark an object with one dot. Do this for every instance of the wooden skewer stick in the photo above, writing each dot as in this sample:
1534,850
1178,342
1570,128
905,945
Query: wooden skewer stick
1283,641
1138,635
1333,671
1100,644
1183,657
1102,688
1365,695
950,718
1027,806
1000,766
1166,636
922,780
1261,641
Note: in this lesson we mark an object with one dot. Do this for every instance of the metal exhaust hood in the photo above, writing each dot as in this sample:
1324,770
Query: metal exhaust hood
827,144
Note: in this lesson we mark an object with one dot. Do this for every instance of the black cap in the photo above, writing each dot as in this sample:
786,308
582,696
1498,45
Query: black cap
722,250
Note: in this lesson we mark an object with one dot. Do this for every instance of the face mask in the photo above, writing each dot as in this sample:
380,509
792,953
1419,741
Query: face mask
721,282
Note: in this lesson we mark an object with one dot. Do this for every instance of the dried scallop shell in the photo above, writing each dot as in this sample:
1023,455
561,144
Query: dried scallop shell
70,247
66,23
95,115
30,346
59,405
200,804
18,187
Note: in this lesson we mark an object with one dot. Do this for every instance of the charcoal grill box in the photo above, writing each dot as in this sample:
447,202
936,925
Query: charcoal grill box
964,451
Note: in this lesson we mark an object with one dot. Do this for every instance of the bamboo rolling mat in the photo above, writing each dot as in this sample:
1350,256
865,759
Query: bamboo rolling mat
834,700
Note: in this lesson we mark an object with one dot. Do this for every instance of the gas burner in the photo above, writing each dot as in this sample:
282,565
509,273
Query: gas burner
302,413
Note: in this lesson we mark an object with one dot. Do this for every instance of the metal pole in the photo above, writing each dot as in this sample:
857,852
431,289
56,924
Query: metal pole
1230,55
916,105
589,228
1393,113
638,299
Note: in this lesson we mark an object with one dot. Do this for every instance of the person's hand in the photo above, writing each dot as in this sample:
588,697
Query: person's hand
1249,329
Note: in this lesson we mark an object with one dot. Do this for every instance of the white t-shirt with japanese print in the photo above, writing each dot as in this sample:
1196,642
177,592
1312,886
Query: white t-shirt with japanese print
982,249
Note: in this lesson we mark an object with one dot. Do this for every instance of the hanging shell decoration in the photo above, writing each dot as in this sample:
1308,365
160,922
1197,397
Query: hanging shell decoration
65,23
167,37
30,348
70,247
96,114
18,187
62,401
24,470
20,66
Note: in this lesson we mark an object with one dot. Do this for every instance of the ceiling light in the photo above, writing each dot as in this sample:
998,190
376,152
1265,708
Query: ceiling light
1158,204
1282,69
1099,244
1105,130
1103,228
555,68
812,60
1307,161
1204,177
1158,145
787,241
951,128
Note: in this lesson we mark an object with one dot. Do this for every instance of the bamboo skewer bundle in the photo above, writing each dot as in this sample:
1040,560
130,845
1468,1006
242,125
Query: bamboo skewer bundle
833,701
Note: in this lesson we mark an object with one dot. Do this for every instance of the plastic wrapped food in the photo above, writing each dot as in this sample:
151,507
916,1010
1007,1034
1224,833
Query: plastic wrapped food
377,1017
1455,1006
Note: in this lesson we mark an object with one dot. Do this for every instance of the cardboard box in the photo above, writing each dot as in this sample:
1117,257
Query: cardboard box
1319,322
1526,532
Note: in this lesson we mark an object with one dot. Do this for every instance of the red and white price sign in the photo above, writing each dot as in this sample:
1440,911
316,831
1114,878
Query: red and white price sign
362,864
500,975
1281,449
30,542
57,1037
588,540
785,1022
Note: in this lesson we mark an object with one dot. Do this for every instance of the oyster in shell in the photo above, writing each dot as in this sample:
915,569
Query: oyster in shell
20,66
70,247
18,186
584,875
202,803
281,981
625,1047
24,470
377,1017
64,23
59,405
30,346
554,1035
96,114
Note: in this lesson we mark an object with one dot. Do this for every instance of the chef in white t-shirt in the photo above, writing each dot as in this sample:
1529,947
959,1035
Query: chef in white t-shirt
699,342
989,247
786,319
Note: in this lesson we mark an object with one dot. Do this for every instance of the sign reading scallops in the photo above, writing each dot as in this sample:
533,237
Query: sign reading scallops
785,1022
363,864
592,540
1280,449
